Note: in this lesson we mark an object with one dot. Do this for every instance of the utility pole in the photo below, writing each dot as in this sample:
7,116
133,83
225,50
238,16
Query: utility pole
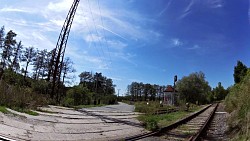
118,94
175,79
58,52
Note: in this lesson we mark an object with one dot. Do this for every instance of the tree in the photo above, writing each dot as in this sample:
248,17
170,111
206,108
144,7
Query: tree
9,43
40,64
77,95
219,92
67,69
2,34
101,87
15,66
51,63
240,70
28,57
134,90
193,88
140,91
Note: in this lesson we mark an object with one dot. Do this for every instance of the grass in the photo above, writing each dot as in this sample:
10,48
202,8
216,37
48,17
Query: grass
238,105
150,108
153,122
27,111
4,110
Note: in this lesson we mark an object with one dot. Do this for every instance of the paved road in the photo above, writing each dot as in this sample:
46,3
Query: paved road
110,122
121,107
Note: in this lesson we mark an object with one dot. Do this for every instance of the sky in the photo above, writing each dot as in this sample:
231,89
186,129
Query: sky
146,41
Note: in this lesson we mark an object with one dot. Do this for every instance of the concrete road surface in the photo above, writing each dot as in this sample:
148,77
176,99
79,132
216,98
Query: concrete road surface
122,107
60,123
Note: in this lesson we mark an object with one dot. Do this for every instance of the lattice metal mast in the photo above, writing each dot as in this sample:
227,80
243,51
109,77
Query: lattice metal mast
59,51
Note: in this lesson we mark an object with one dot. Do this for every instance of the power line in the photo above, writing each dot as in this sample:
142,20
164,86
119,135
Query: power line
104,34
99,55
101,45
104,31
95,28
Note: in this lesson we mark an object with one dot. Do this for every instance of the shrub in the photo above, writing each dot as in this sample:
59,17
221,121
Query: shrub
151,124
77,95
17,96
40,86
238,105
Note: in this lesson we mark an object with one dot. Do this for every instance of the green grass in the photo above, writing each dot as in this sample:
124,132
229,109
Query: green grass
33,113
27,111
163,120
150,108
4,110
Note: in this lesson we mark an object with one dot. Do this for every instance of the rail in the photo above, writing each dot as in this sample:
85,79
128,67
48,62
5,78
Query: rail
164,129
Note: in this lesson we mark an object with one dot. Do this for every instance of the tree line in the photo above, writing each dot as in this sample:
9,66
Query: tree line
94,88
192,88
14,55
138,91
30,68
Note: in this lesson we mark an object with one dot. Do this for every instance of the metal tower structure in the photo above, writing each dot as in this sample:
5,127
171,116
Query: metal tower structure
58,53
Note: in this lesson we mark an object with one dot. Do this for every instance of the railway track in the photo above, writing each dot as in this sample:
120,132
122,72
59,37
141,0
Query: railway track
218,126
190,128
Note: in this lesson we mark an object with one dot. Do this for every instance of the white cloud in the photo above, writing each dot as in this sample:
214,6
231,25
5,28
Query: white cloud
215,3
113,27
93,38
61,6
176,42
194,47
116,44
57,22
10,9
162,11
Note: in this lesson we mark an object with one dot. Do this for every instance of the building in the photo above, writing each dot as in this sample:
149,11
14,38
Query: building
169,95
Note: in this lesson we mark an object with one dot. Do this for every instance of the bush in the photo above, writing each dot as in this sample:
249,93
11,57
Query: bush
151,124
40,86
151,108
78,95
238,105
15,79
17,96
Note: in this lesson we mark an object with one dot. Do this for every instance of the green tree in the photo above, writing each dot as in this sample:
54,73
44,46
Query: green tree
78,95
86,77
101,87
67,70
194,88
2,34
240,71
219,92
15,66
7,49
28,57
40,64
238,105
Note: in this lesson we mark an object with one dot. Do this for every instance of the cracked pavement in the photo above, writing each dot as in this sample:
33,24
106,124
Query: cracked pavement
110,122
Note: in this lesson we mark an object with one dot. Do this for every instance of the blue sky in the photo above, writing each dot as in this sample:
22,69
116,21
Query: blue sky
140,40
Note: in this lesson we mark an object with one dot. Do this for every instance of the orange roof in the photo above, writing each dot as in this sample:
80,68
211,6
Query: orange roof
169,89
